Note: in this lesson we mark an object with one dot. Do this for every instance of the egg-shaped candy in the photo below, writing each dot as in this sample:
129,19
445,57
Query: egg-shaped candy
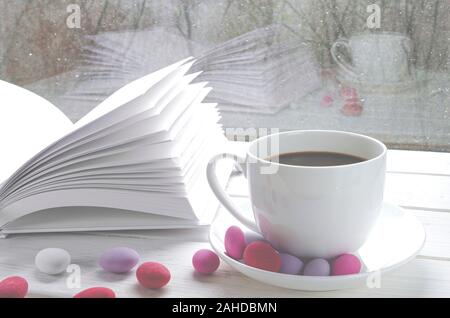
52,261
262,255
290,264
205,261
235,242
152,275
96,292
346,264
251,236
13,287
119,260
317,267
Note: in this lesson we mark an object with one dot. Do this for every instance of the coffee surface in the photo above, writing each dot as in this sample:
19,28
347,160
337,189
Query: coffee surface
315,159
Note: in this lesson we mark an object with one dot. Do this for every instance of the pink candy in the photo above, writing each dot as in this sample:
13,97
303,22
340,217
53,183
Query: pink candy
346,264
205,262
235,242
153,275
96,292
13,287
262,255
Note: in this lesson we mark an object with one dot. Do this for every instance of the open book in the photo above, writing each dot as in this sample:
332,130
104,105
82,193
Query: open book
136,161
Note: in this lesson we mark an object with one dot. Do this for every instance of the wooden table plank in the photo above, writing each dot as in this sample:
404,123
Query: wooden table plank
425,277
437,227
422,277
427,192
423,162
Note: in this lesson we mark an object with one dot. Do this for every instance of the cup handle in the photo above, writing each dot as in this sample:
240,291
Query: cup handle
342,63
220,193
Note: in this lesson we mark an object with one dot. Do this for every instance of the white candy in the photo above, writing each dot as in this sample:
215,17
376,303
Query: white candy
52,261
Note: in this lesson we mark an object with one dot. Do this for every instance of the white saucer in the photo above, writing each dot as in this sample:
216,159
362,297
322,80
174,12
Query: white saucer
395,240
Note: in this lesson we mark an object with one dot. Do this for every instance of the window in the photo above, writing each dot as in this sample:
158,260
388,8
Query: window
375,67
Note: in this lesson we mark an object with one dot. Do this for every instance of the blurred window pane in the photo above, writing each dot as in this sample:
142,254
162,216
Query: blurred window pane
377,67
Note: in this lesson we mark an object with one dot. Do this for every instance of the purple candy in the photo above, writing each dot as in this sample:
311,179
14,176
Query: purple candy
205,261
317,267
290,264
251,237
119,260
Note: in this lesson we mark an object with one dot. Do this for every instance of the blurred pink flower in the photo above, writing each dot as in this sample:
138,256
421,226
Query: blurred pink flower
352,108
349,92
327,100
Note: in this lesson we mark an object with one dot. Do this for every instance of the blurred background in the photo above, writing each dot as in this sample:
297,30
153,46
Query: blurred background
269,61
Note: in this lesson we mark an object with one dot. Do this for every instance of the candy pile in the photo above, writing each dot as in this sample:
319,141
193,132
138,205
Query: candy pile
118,260
348,98
352,102
258,253
249,247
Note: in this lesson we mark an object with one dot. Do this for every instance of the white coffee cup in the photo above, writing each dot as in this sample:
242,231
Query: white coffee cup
377,57
310,211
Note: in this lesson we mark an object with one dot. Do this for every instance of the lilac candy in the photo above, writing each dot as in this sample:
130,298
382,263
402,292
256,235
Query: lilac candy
119,260
317,267
251,237
290,264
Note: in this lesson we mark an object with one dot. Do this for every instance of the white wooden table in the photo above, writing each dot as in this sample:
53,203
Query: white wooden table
417,181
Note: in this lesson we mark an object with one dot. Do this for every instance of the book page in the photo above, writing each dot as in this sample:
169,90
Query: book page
133,128
129,92
143,149
93,218
154,203
28,123
188,151
105,146
153,86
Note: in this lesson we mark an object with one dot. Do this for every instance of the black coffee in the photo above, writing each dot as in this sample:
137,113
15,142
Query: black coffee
315,159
